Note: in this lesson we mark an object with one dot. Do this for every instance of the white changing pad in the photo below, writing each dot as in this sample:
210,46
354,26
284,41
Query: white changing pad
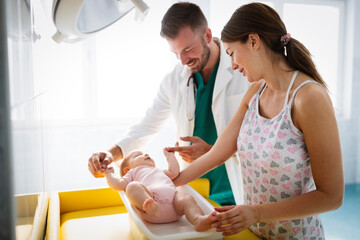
178,230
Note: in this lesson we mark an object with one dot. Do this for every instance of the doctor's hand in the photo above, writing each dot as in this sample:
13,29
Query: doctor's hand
98,163
234,219
192,152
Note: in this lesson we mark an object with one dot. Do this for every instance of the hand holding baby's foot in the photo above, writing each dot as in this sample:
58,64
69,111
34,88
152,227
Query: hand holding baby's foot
204,222
151,207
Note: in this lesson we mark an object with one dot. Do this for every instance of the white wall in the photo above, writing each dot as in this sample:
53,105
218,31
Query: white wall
349,128
53,156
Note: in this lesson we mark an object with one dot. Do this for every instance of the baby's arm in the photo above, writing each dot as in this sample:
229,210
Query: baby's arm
174,168
114,182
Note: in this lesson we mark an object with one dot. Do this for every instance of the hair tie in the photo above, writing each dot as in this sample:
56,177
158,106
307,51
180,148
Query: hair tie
284,40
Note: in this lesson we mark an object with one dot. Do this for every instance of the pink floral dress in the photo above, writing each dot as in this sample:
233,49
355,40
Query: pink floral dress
275,167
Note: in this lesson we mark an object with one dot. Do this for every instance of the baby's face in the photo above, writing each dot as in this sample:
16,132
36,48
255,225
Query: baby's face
137,159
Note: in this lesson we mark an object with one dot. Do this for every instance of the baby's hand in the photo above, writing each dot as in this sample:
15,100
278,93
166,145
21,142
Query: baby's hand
168,154
109,170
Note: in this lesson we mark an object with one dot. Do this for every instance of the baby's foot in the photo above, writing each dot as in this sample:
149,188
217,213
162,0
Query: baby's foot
151,207
204,222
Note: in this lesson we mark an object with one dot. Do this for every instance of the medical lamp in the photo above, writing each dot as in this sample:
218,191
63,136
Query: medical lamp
78,19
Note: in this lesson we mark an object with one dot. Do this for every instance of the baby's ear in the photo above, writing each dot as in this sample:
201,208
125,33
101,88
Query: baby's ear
126,170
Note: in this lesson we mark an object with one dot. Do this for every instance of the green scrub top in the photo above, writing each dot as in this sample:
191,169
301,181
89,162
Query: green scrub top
220,189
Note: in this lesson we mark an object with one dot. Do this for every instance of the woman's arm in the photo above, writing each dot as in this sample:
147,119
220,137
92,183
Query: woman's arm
224,147
313,114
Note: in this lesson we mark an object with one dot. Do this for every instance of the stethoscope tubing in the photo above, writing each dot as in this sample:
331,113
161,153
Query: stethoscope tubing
190,109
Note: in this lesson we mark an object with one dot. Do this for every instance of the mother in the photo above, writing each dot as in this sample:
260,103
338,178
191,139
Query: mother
285,132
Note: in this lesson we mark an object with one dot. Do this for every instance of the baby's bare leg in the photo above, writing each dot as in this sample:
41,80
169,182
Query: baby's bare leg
142,198
186,205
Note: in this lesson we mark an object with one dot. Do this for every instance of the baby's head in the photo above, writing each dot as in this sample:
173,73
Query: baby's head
135,159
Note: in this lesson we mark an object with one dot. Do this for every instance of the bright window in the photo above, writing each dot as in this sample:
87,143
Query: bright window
320,32
114,75
319,25
131,61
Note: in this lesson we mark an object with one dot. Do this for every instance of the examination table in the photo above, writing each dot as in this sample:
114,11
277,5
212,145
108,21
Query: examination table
101,214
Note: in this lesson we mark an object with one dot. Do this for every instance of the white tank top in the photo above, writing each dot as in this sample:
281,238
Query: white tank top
276,166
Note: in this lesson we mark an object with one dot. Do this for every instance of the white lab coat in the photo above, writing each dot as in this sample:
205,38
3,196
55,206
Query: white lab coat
173,99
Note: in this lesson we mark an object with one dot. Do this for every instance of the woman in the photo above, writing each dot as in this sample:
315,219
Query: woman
285,132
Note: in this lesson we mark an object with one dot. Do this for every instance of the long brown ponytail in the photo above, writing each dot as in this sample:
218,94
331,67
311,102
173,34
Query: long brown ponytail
265,21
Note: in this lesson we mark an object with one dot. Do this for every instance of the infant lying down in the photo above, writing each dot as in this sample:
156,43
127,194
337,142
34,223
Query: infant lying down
153,193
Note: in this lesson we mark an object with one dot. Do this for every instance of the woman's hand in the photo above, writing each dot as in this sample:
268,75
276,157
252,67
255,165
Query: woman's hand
234,219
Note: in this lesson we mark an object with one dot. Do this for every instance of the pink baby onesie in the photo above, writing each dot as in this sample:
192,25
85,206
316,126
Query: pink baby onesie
275,167
162,188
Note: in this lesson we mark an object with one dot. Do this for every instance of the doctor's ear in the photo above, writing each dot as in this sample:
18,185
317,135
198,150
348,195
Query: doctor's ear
254,39
208,35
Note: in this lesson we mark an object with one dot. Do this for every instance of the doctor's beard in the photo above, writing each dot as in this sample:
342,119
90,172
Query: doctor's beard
203,60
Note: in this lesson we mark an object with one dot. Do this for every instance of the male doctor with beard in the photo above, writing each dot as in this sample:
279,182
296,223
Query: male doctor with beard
202,94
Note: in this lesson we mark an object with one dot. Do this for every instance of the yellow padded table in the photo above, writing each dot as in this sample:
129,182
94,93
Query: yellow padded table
100,214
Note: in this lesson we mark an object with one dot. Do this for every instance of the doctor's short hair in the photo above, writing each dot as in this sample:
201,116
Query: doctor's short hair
180,15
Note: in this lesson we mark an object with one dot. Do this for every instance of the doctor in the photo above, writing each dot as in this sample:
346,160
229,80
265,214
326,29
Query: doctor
202,94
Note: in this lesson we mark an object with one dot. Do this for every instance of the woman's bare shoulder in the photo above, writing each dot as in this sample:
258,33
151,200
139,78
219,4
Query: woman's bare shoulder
254,87
311,100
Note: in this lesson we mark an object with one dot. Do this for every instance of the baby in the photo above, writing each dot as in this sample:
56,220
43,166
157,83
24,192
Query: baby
153,193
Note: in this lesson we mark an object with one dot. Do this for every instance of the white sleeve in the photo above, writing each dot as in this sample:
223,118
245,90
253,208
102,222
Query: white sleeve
155,118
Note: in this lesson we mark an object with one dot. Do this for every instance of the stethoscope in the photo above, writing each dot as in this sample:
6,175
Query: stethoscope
190,100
